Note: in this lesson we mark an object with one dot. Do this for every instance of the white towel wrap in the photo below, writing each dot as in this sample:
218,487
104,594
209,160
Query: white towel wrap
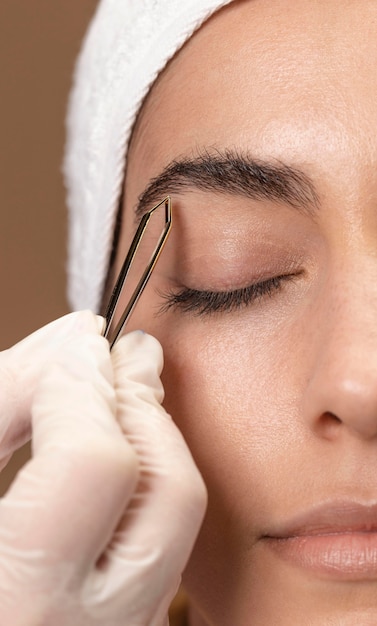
127,45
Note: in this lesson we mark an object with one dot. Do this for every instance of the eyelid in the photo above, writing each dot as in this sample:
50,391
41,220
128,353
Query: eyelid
211,275
203,302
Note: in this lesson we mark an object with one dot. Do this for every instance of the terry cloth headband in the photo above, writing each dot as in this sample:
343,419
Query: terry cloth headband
127,45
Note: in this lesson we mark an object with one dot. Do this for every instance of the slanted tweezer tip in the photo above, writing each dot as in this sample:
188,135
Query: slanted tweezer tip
111,335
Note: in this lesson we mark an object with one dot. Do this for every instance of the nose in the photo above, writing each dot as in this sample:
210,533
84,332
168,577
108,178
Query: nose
341,389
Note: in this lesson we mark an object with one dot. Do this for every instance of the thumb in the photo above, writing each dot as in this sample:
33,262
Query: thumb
20,369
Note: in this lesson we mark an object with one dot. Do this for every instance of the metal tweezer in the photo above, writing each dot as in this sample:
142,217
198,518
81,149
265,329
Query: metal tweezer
113,335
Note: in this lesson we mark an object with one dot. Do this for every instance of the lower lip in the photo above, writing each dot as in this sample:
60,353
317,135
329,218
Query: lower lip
345,556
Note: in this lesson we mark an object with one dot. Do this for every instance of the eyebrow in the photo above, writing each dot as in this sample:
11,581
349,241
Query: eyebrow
233,173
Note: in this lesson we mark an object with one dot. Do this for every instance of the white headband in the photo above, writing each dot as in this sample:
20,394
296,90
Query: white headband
127,45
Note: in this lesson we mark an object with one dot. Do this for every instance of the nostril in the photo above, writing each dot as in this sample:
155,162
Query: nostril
328,425
332,416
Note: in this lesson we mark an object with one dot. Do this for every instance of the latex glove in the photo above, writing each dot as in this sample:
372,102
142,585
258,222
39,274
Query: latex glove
20,371
98,527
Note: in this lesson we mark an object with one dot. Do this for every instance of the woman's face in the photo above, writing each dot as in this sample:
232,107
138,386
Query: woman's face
265,302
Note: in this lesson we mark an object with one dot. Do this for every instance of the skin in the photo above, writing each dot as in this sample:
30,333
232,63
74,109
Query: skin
277,400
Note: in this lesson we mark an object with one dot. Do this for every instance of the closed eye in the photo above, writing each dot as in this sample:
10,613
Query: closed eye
200,302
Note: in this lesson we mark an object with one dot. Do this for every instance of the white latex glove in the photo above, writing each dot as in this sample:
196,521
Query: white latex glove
98,526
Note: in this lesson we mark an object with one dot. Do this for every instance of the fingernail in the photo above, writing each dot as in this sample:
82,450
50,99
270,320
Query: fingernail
101,323
87,321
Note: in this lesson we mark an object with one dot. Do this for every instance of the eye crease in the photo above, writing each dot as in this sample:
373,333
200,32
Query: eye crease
202,302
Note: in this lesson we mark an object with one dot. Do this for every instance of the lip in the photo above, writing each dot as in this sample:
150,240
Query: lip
337,540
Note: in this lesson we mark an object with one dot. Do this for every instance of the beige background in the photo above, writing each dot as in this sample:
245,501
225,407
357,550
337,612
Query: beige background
39,40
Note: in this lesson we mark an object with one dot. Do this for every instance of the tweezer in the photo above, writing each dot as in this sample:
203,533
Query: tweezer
113,335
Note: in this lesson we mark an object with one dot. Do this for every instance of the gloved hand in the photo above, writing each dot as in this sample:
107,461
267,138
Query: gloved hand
98,526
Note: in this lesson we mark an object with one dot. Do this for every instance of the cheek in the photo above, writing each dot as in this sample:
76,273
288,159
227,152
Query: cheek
234,386
230,388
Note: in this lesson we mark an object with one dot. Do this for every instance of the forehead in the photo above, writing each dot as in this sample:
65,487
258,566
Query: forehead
291,81
265,73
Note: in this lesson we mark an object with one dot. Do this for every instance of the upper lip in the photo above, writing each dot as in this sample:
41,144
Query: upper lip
329,518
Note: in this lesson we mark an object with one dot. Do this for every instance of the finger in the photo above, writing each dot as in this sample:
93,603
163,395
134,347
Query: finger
164,458
67,501
161,523
20,369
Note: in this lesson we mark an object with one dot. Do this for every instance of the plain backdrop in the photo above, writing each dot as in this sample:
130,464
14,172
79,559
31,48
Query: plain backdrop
39,41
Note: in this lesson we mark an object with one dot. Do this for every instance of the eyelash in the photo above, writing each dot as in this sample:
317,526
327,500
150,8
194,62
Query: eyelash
212,302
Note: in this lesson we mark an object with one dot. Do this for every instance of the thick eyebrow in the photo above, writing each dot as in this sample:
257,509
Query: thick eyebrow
232,173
